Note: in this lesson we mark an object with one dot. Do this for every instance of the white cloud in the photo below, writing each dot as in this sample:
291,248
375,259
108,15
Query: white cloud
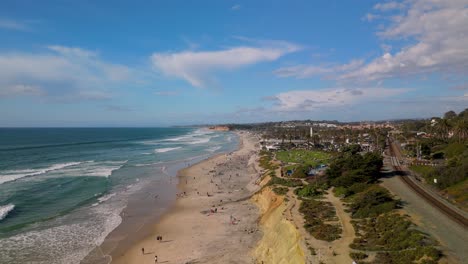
306,100
13,25
196,66
440,34
21,90
370,17
59,72
166,93
387,6
305,71
236,7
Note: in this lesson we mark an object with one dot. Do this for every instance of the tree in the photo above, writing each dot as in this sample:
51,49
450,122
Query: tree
463,114
443,128
450,115
461,130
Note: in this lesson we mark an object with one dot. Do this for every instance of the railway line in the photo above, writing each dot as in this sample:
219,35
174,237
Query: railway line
452,214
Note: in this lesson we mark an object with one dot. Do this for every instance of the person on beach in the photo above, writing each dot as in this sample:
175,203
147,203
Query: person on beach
155,258
142,251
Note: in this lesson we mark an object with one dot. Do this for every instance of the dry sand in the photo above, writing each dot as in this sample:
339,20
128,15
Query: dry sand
190,232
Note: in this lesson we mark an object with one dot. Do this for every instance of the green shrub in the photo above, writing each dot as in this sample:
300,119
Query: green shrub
388,232
307,191
315,213
358,255
372,202
281,190
285,182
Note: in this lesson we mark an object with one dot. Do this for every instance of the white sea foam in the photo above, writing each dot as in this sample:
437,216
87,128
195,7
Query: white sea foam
162,150
63,243
99,169
12,175
106,197
214,149
200,141
5,209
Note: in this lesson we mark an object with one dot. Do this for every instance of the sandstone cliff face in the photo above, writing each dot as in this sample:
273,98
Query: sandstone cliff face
280,241
219,128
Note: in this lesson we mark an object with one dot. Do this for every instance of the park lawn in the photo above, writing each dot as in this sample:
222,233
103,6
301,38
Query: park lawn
305,157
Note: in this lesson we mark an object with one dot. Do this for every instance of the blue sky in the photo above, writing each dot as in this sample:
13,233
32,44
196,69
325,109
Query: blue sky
158,63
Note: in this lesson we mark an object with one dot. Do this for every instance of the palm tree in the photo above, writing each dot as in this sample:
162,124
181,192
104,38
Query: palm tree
461,129
443,128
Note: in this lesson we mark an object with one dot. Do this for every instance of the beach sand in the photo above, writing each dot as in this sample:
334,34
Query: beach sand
191,232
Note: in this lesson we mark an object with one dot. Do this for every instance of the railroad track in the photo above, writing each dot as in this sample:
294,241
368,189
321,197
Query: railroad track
452,214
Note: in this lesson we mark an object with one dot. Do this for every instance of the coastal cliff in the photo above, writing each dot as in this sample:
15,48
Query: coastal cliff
219,128
281,240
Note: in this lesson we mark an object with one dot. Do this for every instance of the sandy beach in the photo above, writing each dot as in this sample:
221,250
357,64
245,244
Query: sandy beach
213,219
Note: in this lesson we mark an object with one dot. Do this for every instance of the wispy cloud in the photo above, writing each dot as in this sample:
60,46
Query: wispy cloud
60,72
305,71
10,24
197,67
20,90
441,42
236,7
388,6
307,100
370,17
166,93
117,108
436,30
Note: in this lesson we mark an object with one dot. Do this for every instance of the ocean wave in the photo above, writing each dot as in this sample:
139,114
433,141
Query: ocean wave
214,149
12,175
64,243
5,209
200,141
99,169
162,150
66,144
192,137
106,197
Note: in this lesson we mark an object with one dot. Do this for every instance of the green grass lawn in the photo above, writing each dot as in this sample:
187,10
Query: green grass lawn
305,157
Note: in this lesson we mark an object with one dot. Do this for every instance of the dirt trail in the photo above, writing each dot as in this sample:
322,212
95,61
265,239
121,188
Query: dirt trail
341,246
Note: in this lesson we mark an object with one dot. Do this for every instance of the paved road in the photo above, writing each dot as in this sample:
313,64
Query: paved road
452,236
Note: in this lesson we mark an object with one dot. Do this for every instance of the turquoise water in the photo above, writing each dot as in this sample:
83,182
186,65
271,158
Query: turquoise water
63,189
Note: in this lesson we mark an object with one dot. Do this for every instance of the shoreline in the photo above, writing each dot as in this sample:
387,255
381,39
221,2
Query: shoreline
200,219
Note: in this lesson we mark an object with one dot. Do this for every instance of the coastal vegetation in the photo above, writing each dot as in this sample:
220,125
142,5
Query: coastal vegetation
281,190
438,151
317,215
265,161
285,182
378,226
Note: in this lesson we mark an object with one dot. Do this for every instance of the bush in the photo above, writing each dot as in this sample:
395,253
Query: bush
285,182
372,202
388,232
281,190
307,191
315,213
358,255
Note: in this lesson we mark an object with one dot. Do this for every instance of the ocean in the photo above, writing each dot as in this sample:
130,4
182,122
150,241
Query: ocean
62,190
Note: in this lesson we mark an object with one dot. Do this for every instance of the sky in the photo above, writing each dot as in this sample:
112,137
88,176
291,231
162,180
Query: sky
163,63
